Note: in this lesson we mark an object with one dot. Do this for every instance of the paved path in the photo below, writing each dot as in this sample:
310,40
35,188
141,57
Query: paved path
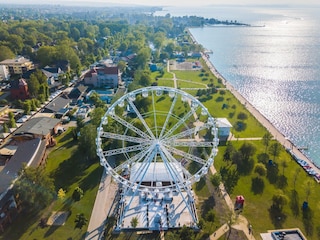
103,203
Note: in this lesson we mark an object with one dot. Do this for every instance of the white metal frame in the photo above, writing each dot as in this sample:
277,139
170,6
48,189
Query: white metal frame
159,143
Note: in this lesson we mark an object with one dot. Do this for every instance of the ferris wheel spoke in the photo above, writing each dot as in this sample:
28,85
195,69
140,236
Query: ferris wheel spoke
174,160
168,115
154,114
135,158
188,132
130,126
124,150
191,143
186,155
144,166
122,137
141,118
181,121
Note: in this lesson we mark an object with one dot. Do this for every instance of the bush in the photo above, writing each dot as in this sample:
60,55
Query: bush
210,216
77,194
242,116
257,185
261,169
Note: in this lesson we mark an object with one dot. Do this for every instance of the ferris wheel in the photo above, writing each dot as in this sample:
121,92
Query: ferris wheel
156,128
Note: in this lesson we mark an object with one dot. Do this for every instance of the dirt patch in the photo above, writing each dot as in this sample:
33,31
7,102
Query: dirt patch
185,66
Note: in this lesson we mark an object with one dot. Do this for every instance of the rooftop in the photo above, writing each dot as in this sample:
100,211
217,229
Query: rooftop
41,126
14,61
57,104
27,152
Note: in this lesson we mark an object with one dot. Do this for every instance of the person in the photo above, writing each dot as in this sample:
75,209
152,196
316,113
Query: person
250,228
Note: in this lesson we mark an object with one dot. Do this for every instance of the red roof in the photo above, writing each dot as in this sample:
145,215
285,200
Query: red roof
106,71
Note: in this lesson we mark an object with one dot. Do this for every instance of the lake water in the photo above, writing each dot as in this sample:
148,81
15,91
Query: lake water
276,67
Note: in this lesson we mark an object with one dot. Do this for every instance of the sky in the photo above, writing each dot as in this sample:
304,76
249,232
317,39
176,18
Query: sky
172,2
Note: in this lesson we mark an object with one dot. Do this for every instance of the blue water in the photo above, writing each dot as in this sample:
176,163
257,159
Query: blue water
275,67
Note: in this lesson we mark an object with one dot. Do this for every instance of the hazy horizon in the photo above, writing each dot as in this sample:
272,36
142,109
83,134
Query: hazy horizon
164,2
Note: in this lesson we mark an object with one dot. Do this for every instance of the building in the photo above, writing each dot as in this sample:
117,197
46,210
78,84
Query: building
40,127
283,234
78,94
19,89
32,153
58,106
18,65
4,73
224,128
103,77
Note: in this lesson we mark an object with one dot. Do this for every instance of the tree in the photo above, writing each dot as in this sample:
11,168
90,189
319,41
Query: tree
46,55
230,150
34,188
275,150
216,180
26,107
77,194
279,200
61,194
266,139
284,165
143,57
96,116
80,221
87,143
134,222
247,150
5,53
260,169
122,65
186,233
33,86
12,121
97,101
295,177
5,128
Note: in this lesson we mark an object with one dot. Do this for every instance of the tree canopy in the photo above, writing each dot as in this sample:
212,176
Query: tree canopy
34,188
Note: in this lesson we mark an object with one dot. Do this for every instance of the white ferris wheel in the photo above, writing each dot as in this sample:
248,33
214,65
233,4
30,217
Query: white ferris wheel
157,139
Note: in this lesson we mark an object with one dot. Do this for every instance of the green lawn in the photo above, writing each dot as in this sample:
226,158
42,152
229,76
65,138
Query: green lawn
257,206
69,169
190,84
165,82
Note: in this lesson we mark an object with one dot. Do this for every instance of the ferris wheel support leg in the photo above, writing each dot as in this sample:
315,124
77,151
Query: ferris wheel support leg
172,173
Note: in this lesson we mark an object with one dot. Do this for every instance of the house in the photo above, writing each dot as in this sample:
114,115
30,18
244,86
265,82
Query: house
58,106
4,73
32,153
224,127
78,94
39,127
19,89
18,65
53,72
103,77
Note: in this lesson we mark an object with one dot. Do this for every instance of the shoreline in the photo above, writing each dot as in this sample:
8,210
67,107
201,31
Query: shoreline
277,135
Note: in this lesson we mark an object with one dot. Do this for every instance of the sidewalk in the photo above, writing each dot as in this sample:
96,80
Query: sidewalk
103,203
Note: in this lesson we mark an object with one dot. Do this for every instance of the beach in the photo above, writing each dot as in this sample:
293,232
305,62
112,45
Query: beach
277,135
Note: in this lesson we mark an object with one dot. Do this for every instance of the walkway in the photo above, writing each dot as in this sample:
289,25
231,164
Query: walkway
103,204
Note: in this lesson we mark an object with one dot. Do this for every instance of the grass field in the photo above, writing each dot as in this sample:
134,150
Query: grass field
69,169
